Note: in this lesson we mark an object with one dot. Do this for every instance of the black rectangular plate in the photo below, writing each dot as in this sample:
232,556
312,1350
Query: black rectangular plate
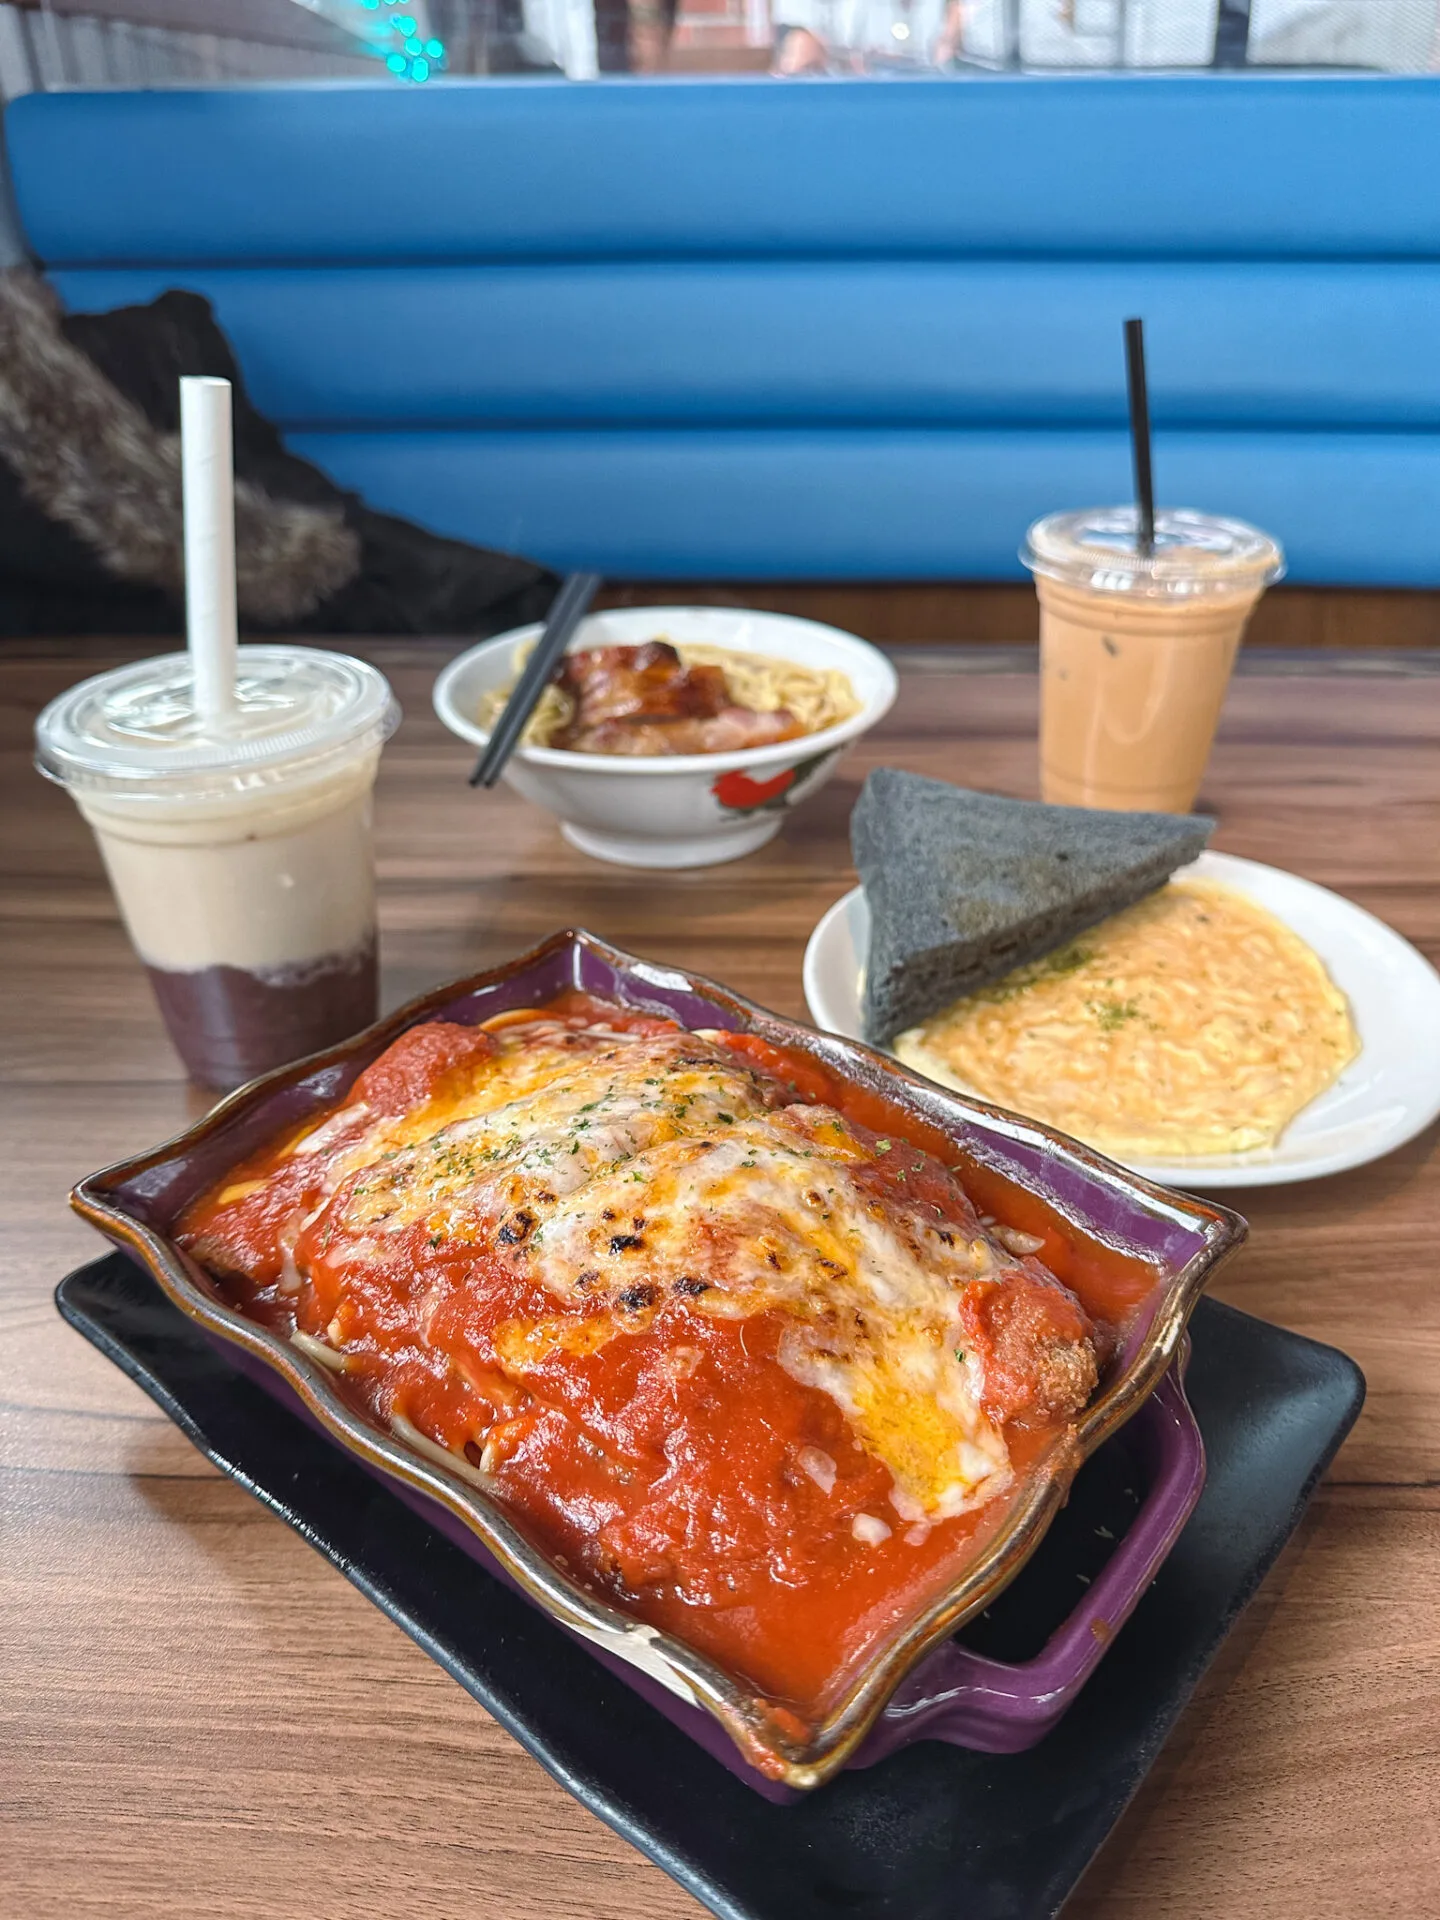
935,1832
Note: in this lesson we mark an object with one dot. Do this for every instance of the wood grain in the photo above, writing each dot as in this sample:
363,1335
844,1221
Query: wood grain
197,1716
981,612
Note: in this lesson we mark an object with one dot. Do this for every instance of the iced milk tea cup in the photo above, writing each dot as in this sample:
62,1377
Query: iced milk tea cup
1137,647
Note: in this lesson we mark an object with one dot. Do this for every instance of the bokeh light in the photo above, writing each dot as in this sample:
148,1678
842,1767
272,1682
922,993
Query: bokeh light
424,56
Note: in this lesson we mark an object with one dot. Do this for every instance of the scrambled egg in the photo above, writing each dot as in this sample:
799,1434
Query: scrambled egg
1193,1023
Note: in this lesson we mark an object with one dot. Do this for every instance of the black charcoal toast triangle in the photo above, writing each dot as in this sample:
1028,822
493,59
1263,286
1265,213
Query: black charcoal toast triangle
964,886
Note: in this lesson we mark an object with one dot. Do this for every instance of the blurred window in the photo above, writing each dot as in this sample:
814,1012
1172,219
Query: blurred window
1395,38
130,43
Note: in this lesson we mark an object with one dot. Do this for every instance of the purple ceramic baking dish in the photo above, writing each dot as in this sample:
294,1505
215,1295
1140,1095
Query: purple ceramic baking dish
919,1684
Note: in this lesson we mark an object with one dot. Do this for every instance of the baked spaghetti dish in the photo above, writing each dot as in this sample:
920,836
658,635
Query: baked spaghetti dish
756,1371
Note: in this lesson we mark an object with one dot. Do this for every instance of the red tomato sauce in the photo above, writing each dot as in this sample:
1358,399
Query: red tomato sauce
660,1468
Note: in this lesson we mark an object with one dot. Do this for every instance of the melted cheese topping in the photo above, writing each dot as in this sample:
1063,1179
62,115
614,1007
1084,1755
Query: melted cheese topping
618,1170
1192,1023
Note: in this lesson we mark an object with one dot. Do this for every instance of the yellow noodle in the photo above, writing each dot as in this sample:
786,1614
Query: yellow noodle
819,697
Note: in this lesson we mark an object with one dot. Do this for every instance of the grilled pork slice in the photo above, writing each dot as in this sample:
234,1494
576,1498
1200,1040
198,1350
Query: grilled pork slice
645,700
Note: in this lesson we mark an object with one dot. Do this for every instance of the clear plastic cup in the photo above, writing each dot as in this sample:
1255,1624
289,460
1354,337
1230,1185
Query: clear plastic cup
241,855
1136,649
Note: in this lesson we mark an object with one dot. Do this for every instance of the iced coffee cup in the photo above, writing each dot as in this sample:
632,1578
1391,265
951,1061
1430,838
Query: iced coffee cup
241,854
1136,649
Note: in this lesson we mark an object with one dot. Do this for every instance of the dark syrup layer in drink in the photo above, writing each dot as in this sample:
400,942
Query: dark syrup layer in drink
229,1024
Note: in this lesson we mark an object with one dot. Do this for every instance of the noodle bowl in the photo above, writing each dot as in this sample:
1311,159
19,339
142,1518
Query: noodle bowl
686,755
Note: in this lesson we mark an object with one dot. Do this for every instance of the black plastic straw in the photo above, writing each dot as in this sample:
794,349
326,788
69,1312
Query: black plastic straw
566,613
1140,431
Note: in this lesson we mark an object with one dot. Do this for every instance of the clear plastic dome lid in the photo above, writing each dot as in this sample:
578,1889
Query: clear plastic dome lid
137,728
1194,553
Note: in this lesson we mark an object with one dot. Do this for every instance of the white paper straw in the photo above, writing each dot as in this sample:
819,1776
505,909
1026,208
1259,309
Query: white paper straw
207,470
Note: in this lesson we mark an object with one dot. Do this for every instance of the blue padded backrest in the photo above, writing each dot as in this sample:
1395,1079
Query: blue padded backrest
1303,343
1136,165
851,329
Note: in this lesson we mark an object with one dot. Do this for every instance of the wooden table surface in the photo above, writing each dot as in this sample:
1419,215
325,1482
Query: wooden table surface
198,1716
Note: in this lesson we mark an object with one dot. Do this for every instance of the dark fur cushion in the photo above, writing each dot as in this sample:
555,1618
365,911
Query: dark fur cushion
90,519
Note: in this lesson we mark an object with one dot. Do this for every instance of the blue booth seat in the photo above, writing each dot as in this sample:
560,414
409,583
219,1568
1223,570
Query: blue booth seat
848,330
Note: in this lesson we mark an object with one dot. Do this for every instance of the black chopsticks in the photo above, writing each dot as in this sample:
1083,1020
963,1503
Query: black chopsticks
568,609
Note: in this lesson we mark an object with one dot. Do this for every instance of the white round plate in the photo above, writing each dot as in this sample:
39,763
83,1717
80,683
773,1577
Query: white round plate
1387,1095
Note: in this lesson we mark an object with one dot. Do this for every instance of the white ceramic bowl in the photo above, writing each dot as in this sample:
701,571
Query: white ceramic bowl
679,810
